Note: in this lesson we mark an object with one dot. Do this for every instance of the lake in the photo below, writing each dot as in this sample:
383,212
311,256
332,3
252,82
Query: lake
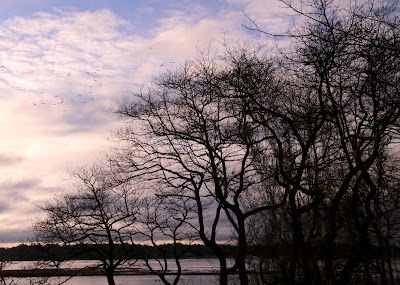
138,280
188,266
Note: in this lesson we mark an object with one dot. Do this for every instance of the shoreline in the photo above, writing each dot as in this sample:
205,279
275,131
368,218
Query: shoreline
91,271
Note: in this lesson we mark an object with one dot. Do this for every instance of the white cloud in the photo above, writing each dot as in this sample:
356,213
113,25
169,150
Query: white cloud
61,72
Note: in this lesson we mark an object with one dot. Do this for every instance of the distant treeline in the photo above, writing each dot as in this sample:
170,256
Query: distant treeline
90,252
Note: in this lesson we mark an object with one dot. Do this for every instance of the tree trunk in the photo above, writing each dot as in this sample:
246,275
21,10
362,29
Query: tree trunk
223,273
299,252
242,252
110,277
110,280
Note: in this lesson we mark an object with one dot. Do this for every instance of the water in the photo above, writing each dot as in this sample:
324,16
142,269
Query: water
188,265
133,280
202,265
119,280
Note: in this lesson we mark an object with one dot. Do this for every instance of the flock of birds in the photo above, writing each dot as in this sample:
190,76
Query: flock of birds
82,97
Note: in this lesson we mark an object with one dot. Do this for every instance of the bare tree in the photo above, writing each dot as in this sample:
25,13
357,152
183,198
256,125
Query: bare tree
385,227
99,212
166,226
245,135
190,137
336,111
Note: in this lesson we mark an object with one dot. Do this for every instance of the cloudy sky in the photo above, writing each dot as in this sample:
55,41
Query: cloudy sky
65,63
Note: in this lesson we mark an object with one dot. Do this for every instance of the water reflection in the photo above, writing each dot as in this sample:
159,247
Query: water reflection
188,265
137,280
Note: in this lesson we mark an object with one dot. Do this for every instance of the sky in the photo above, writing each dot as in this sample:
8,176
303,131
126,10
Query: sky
64,66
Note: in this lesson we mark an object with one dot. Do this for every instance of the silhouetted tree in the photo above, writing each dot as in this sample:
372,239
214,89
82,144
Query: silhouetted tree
335,112
98,211
165,224
292,143
190,136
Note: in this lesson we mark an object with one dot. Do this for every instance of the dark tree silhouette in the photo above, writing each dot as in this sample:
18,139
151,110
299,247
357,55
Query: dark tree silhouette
98,211
189,136
335,113
166,225
293,143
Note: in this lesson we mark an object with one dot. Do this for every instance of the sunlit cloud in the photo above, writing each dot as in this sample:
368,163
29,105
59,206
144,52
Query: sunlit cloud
63,71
